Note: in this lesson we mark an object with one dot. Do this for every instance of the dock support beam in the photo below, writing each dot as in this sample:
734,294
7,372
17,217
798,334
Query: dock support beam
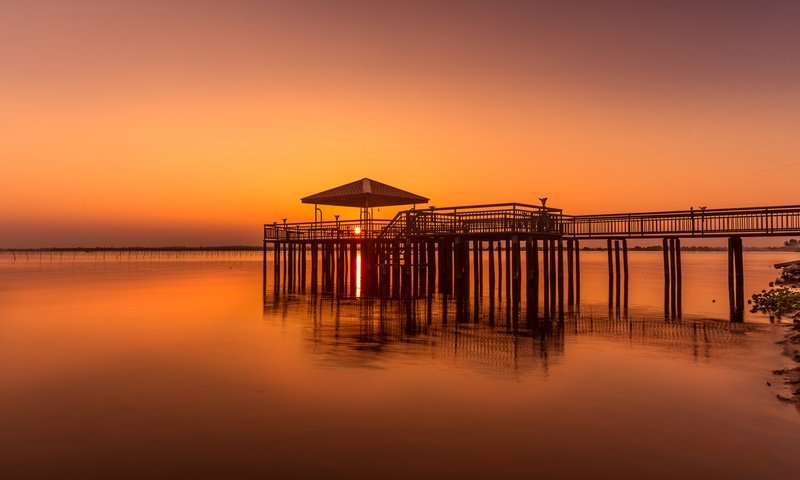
610,274
314,266
625,272
618,279
570,274
553,276
516,274
546,276
276,266
736,279
672,277
532,278
560,275
577,272
264,278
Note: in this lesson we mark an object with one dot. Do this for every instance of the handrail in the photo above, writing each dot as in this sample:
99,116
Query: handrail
700,222
696,211
519,218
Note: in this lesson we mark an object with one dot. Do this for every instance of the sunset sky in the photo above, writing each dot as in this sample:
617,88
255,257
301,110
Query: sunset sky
194,122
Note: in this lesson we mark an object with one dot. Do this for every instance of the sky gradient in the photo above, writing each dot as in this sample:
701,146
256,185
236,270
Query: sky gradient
194,122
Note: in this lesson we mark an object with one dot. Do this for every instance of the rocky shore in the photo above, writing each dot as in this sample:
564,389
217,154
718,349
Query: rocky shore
783,301
791,376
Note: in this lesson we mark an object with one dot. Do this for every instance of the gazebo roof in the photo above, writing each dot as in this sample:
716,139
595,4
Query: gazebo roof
364,193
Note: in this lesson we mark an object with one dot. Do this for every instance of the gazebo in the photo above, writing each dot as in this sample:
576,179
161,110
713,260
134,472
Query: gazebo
364,194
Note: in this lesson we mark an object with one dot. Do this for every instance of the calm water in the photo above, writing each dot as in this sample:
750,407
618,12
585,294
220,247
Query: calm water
142,366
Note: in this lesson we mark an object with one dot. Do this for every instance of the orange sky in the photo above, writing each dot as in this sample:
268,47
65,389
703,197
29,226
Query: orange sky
193,122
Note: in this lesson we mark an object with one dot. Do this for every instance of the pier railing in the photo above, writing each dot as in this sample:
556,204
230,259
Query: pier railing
329,230
500,218
505,219
759,221
492,219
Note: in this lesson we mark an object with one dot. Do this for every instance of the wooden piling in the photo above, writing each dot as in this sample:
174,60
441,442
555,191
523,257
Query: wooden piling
285,265
458,284
276,266
679,277
264,276
405,286
625,273
431,260
476,280
465,266
480,269
314,261
353,270
532,280
577,272
673,283
570,273
516,275
546,276
292,267
395,269
731,276
423,268
553,275
617,274
610,274
449,274
414,268
491,275
665,248
508,274
500,272
323,273
739,266
303,267
341,269
560,274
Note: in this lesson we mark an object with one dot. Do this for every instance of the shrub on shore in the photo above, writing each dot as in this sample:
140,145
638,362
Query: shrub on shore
781,302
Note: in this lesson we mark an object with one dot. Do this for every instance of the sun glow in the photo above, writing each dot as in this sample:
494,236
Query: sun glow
357,231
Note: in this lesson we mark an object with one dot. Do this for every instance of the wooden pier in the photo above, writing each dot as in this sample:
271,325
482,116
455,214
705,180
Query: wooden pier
423,252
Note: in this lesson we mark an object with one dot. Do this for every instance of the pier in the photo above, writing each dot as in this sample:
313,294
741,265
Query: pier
422,252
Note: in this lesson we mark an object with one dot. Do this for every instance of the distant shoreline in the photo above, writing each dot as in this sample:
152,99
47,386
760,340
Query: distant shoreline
222,248
258,248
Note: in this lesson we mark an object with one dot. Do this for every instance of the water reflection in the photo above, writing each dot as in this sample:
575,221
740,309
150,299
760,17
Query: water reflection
370,333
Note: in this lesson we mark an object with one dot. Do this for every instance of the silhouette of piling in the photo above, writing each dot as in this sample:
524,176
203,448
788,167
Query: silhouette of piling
618,279
532,278
546,276
736,278
625,273
609,251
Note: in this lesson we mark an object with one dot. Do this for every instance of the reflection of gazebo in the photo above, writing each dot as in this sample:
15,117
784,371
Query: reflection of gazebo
363,194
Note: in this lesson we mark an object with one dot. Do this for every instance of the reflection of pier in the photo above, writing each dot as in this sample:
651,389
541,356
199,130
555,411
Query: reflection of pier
361,333
422,252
